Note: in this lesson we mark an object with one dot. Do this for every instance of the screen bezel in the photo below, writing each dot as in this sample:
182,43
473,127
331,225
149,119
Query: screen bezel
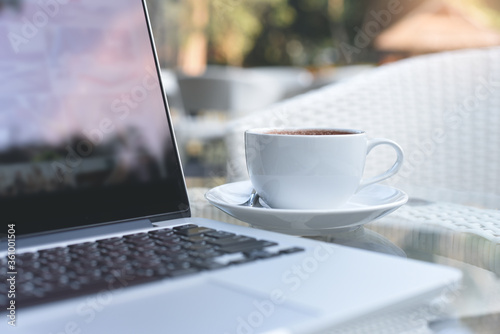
155,202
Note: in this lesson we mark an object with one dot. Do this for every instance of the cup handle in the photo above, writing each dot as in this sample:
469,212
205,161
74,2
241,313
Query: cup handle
391,171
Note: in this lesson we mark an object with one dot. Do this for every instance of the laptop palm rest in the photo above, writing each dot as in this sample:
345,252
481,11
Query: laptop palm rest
147,310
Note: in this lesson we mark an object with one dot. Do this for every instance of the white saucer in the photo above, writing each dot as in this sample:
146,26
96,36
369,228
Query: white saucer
372,202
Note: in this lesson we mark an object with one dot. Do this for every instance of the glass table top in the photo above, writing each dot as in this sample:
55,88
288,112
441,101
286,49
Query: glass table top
475,309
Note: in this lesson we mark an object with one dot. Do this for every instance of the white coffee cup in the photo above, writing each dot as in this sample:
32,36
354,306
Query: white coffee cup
311,169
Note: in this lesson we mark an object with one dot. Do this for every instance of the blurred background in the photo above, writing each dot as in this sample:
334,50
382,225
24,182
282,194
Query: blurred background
225,58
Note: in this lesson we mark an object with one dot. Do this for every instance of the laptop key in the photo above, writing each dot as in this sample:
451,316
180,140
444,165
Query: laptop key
162,232
194,231
197,239
220,234
246,246
291,250
232,241
259,254
184,227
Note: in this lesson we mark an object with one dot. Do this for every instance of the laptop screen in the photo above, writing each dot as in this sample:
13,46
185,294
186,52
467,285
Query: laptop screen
85,137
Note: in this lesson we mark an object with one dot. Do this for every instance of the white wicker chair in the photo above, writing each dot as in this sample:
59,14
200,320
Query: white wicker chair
444,110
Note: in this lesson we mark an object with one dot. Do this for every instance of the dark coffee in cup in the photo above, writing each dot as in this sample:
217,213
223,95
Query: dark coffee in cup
310,132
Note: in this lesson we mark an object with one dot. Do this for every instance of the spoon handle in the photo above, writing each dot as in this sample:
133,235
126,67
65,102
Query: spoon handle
254,197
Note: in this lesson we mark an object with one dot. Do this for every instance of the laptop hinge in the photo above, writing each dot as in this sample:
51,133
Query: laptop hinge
90,232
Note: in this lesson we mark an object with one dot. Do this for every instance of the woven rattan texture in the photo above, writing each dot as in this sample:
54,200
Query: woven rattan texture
463,233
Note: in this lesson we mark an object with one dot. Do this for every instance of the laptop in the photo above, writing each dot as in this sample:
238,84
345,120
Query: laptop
97,235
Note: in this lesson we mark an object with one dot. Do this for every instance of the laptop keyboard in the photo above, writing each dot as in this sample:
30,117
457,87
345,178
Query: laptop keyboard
118,262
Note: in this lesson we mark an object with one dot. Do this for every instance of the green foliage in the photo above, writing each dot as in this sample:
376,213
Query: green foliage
236,24
298,40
